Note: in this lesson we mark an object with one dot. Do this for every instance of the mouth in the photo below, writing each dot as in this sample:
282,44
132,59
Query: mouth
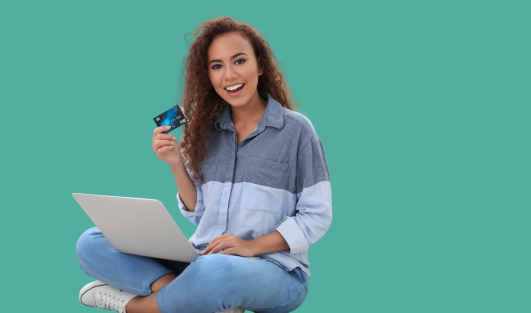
233,92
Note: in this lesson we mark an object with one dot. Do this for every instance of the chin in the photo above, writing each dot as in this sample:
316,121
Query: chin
238,102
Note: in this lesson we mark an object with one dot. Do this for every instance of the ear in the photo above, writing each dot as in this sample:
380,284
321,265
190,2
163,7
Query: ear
260,71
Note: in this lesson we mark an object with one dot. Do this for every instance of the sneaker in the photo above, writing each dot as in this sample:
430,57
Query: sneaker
233,310
100,295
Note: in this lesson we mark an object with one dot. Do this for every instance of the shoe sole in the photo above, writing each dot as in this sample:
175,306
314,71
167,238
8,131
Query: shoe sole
89,287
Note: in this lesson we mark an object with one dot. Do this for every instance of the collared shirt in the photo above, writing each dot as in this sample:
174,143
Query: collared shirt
275,179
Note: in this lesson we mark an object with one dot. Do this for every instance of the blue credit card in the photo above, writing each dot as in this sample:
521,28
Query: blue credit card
174,117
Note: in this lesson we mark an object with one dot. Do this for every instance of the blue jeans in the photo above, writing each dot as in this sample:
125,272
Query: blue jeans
212,283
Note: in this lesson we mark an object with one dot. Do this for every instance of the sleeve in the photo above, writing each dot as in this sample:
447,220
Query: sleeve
314,200
194,217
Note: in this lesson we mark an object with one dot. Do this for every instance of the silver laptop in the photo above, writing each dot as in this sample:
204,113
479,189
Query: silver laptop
138,226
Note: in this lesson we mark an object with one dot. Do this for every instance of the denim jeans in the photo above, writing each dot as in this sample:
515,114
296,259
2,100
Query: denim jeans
212,283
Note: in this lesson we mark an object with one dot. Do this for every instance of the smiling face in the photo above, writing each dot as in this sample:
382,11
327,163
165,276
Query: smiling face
233,68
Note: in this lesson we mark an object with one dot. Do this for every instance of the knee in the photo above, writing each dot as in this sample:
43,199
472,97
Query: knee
222,273
218,265
87,241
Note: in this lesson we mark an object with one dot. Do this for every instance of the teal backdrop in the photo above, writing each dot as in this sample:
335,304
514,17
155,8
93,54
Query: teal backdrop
423,108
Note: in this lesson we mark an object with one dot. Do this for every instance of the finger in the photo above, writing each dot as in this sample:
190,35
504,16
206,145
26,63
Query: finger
209,247
220,246
162,150
160,129
218,238
161,143
231,250
157,143
215,242
164,137
167,147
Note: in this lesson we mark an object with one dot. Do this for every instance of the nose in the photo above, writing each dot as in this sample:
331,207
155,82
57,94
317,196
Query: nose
230,73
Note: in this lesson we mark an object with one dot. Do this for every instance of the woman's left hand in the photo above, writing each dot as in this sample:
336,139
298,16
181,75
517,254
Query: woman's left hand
231,244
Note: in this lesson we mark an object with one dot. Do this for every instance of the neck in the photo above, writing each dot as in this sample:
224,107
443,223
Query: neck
251,112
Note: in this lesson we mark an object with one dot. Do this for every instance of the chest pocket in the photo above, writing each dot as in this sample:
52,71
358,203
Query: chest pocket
268,188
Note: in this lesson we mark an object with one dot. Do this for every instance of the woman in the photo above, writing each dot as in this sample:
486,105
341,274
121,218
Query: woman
252,176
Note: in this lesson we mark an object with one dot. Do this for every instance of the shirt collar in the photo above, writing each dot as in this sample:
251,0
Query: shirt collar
273,115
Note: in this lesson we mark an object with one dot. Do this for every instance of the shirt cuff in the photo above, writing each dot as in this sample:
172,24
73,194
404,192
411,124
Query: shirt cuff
198,207
293,235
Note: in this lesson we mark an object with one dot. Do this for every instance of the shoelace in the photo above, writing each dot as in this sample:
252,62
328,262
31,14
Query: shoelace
114,304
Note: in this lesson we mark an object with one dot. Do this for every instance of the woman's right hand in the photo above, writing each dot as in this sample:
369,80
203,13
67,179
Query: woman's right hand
166,147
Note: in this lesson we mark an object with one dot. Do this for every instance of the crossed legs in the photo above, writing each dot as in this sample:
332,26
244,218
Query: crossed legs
211,283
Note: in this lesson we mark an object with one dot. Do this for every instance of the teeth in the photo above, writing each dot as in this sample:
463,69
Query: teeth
234,87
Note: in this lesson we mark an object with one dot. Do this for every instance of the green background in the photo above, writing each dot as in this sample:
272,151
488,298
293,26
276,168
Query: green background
423,109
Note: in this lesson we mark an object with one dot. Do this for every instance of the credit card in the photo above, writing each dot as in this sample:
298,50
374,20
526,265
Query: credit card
174,117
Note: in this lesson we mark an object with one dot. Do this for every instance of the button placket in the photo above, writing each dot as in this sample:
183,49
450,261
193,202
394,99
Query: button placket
227,190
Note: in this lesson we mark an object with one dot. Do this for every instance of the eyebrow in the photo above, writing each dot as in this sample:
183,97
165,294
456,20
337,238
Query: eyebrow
237,54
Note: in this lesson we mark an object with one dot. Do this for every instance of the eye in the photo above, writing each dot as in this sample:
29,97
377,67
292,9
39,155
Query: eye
215,68
243,60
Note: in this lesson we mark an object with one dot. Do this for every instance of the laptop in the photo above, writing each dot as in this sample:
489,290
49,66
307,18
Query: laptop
138,226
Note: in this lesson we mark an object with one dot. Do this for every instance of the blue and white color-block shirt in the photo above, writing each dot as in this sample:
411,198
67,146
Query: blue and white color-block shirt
275,179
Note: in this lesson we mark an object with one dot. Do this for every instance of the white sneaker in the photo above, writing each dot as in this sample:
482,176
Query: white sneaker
101,295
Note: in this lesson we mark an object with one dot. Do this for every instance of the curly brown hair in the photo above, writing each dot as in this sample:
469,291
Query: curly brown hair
202,104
